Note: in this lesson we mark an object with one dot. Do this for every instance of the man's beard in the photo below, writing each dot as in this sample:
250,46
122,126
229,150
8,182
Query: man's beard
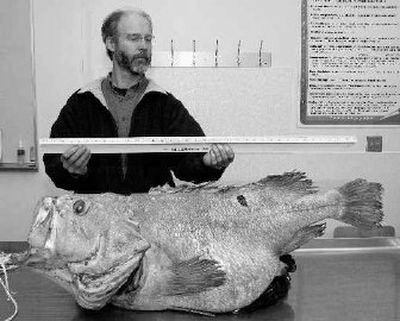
137,64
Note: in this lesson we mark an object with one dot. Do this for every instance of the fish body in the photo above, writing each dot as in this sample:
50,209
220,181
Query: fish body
195,248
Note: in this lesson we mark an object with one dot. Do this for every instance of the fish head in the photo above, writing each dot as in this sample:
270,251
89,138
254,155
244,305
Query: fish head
86,244
65,228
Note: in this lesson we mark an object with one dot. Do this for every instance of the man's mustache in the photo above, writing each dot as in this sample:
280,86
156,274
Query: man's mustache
141,55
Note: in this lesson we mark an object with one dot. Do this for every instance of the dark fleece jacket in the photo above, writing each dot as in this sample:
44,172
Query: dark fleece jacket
157,114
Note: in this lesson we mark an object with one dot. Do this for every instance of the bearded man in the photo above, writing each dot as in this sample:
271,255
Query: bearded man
126,103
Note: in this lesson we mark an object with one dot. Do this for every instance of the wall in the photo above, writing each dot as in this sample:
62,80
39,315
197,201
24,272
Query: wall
16,86
225,101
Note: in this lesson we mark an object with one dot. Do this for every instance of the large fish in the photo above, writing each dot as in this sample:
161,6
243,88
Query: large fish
194,248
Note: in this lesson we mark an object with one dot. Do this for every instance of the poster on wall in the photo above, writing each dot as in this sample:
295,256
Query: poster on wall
350,73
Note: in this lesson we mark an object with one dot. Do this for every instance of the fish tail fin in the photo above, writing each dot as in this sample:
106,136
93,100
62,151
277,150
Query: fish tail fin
362,203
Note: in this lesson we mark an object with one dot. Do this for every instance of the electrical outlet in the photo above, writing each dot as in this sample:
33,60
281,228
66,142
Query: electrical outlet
374,144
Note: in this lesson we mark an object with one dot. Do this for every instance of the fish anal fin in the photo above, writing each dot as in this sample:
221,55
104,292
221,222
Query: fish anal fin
294,181
193,276
303,236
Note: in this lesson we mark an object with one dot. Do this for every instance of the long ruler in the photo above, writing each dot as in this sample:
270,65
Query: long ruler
257,144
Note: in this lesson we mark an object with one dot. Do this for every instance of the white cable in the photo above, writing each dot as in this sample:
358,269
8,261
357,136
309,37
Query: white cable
4,283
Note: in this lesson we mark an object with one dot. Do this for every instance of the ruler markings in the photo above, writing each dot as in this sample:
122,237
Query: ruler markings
186,144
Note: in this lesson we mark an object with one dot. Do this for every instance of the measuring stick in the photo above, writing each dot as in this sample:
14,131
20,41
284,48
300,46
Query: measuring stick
188,144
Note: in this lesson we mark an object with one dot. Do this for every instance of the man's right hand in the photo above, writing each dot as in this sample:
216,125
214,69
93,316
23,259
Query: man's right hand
75,159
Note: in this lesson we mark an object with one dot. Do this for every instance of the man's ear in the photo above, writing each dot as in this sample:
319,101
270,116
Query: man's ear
110,44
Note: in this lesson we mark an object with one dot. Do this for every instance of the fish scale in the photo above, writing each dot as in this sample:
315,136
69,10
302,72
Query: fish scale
243,254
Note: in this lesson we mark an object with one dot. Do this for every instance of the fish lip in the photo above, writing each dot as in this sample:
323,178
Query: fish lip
35,258
46,203
44,257
41,228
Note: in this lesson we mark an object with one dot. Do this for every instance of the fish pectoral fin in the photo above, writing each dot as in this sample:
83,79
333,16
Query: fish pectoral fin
193,276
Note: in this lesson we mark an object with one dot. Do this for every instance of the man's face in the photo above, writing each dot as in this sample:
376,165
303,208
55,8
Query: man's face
133,44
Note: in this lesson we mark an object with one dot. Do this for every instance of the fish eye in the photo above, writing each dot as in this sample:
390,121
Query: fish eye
79,207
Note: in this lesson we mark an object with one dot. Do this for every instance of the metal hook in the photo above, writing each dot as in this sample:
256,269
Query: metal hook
172,53
260,54
216,53
194,53
238,53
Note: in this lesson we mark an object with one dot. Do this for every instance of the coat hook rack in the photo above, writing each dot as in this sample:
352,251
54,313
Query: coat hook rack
212,59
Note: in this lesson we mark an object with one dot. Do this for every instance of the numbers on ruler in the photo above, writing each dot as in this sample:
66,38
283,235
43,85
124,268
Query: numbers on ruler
197,140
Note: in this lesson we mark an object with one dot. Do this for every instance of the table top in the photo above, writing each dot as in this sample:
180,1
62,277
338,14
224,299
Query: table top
335,280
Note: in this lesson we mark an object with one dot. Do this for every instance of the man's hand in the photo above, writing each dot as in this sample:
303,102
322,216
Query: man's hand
219,156
75,159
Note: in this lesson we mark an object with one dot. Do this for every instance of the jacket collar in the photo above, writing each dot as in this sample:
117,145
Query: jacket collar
94,87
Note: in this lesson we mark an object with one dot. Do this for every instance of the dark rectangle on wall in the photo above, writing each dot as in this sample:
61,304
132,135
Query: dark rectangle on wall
350,68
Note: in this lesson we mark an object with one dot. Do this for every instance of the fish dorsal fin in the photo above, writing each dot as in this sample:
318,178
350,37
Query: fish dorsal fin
210,187
193,276
165,189
292,181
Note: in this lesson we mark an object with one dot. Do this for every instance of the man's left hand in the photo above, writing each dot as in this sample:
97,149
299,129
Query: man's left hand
219,156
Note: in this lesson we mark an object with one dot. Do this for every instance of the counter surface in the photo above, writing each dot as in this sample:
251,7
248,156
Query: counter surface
335,280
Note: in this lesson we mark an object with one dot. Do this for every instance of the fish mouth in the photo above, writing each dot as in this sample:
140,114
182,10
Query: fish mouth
45,211
44,251
45,259
43,231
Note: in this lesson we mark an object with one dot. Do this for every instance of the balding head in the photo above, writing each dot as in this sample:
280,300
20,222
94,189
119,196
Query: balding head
109,28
